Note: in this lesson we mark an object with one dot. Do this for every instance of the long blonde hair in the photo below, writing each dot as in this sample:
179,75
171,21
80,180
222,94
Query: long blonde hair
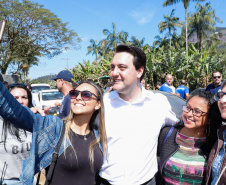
102,138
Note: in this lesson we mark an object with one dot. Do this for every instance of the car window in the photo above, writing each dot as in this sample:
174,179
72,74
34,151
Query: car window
36,89
56,95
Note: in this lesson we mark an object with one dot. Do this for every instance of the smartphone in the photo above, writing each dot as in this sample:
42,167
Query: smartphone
2,27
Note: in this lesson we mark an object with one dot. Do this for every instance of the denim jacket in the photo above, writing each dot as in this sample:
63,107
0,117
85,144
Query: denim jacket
46,132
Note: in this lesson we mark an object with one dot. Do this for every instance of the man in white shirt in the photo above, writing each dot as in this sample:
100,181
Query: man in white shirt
133,118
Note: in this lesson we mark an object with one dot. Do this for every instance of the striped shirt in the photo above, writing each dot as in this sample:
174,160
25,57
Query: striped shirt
188,165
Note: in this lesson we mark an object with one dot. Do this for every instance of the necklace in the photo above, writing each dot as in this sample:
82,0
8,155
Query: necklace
76,131
85,137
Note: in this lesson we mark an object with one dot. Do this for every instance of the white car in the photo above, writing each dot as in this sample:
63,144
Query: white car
35,88
50,97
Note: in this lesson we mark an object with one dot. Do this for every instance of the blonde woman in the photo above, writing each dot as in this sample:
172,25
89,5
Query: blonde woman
80,155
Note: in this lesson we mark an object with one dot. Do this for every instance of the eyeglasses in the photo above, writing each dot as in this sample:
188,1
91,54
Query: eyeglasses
216,77
195,112
219,95
86,95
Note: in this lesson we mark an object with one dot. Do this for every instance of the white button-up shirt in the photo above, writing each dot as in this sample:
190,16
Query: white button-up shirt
132,135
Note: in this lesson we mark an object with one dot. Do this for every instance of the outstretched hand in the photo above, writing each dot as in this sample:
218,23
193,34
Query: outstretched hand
40,111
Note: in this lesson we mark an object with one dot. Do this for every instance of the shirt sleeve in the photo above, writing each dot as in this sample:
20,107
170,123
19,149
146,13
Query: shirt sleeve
186,90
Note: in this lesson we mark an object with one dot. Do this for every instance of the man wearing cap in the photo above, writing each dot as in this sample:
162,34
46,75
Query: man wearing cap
133,119
64,81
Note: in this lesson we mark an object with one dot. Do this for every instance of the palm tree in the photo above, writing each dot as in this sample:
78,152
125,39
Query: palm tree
170,24
201,21
136,42
123,38
186,3
112,36
94,48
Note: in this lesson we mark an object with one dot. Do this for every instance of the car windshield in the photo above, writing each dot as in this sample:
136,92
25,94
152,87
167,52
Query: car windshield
52,95
36,89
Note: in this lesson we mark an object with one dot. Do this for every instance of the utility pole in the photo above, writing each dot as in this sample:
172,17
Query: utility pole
67,61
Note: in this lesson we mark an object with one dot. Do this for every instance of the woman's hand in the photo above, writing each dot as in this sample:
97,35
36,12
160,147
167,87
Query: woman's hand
40,111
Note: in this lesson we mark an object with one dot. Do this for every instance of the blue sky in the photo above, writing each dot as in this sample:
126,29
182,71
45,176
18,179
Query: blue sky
88,18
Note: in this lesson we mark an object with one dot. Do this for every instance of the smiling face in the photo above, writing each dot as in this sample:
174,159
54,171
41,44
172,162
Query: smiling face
20,95
222,104
194,122
81,107
124,76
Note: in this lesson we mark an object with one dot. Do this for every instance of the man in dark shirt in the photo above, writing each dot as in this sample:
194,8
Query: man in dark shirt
64,81
216,85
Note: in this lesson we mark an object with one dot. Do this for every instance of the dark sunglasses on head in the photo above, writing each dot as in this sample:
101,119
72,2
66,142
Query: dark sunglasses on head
216,77
86,95
19,85
219,95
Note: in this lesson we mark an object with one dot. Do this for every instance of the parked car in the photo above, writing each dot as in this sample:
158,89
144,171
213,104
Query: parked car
175,101
35,88
50,97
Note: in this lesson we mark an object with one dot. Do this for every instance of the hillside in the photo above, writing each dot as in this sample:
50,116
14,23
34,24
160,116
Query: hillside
222,45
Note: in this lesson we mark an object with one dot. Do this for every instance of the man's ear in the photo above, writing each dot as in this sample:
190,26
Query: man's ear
140,72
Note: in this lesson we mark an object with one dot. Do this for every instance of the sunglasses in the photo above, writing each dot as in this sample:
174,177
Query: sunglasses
17,84
216,77
219,95
86,95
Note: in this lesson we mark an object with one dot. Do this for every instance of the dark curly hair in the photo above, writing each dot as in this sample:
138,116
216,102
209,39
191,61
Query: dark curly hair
213,115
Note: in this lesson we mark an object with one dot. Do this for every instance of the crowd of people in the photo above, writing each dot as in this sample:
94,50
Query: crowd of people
182,91
126,136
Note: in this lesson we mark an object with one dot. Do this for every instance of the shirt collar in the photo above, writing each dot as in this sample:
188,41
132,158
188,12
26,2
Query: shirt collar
217,86
144,94
166,84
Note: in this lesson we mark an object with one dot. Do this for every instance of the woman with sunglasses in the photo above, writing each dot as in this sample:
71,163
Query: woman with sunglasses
80,154
183,150
216,169
14,142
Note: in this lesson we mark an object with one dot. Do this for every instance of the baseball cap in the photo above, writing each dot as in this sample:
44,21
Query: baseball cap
65,75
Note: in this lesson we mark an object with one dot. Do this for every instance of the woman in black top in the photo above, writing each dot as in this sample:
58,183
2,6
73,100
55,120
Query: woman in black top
82,160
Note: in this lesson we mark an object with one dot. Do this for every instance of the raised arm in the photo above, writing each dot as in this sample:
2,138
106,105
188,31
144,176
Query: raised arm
12,111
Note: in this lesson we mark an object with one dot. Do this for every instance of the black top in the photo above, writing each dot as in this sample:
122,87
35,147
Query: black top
70,170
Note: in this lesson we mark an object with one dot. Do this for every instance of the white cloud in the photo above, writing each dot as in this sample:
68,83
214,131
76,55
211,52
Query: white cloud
142,16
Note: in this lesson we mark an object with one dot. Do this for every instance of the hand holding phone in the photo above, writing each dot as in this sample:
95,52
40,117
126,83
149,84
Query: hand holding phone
2,27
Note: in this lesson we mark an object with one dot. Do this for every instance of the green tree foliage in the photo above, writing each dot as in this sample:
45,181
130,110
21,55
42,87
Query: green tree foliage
170,24
31,31
186,4
201,21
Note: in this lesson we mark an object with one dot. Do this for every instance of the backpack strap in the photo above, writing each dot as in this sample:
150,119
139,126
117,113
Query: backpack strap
169,133
54,158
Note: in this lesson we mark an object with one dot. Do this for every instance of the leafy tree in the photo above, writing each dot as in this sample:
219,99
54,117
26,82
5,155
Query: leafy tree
112,36
123,38
170,24
201,21
94,48
186,4
31,31
136,42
